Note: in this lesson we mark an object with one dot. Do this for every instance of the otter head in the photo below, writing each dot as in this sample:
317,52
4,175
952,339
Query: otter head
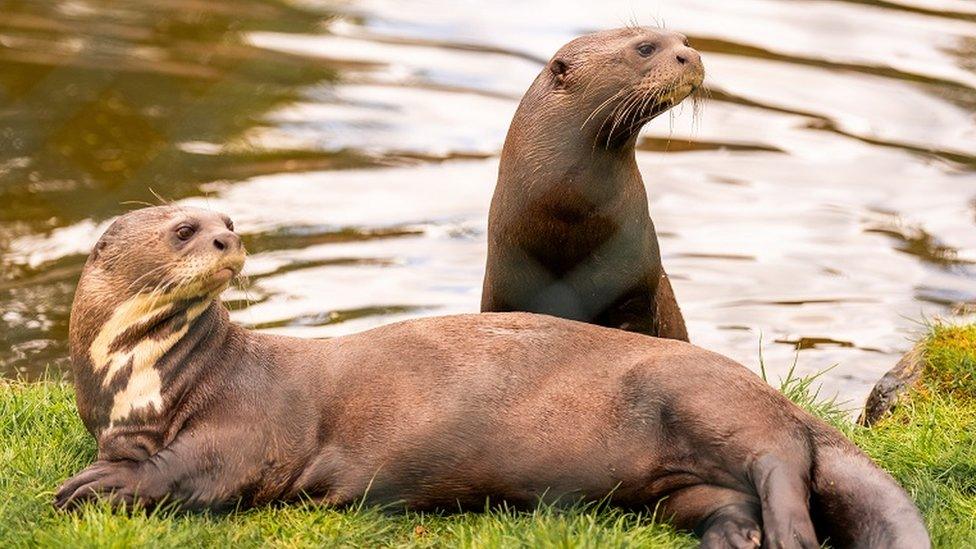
616,81
149,278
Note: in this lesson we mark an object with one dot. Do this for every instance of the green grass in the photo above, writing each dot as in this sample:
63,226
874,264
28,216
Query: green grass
42,442
928,444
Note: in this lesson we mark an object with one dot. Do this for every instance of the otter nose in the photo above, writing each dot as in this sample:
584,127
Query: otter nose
687,55
227,241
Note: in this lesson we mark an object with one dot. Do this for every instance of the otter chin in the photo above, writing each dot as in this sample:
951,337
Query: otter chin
439,413
569,229
223,276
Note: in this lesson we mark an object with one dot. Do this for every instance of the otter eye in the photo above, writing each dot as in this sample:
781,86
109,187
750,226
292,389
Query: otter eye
185,232
230,225
645,49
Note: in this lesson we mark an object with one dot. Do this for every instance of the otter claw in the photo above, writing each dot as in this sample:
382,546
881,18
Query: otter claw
101,480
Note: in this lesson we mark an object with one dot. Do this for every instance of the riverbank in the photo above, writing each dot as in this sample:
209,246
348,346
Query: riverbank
928,444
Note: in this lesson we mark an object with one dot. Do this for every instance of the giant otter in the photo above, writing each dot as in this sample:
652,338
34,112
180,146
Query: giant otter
438,413
569,232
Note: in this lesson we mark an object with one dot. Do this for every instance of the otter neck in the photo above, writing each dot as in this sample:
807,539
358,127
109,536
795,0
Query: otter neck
132,368
543,149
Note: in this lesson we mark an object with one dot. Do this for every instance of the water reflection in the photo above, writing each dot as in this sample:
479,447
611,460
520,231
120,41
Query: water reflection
916,241
101,101
925,8
823,199
105,99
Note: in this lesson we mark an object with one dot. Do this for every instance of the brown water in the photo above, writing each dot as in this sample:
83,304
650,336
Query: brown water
825,200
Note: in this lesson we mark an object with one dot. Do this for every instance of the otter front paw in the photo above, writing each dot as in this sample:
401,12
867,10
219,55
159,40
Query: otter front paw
112,481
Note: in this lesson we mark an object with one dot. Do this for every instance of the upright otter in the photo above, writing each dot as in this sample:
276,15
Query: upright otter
440,412
569,232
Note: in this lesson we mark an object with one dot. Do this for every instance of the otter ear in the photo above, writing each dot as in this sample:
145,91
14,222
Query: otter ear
97,250
559,67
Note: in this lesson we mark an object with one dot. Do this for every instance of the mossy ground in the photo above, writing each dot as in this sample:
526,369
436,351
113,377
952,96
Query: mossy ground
928,444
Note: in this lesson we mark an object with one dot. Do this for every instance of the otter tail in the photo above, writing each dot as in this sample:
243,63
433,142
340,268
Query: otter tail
856,504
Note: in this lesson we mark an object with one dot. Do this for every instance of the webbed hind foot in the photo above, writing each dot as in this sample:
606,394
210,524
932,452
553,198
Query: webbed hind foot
732,527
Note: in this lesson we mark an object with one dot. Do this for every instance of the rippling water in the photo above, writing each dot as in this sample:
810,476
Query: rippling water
822,204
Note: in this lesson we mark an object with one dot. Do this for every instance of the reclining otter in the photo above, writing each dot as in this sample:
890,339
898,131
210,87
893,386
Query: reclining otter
438,412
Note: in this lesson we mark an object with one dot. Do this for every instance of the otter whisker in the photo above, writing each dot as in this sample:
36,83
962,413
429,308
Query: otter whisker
634,110
159,268
146,275
155,294
633,115
698,99
622,109
243,282
667,144
136,203
162,286
158,197
601,106
611,115
640,118
628,109
614,116
620,112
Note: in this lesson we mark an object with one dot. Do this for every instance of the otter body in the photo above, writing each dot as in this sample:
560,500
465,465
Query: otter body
439,413
569,232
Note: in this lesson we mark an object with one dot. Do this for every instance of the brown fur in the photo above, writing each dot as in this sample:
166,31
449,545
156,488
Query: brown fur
569,233
446,413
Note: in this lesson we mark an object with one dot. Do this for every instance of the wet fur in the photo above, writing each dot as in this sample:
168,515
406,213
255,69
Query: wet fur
451,412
